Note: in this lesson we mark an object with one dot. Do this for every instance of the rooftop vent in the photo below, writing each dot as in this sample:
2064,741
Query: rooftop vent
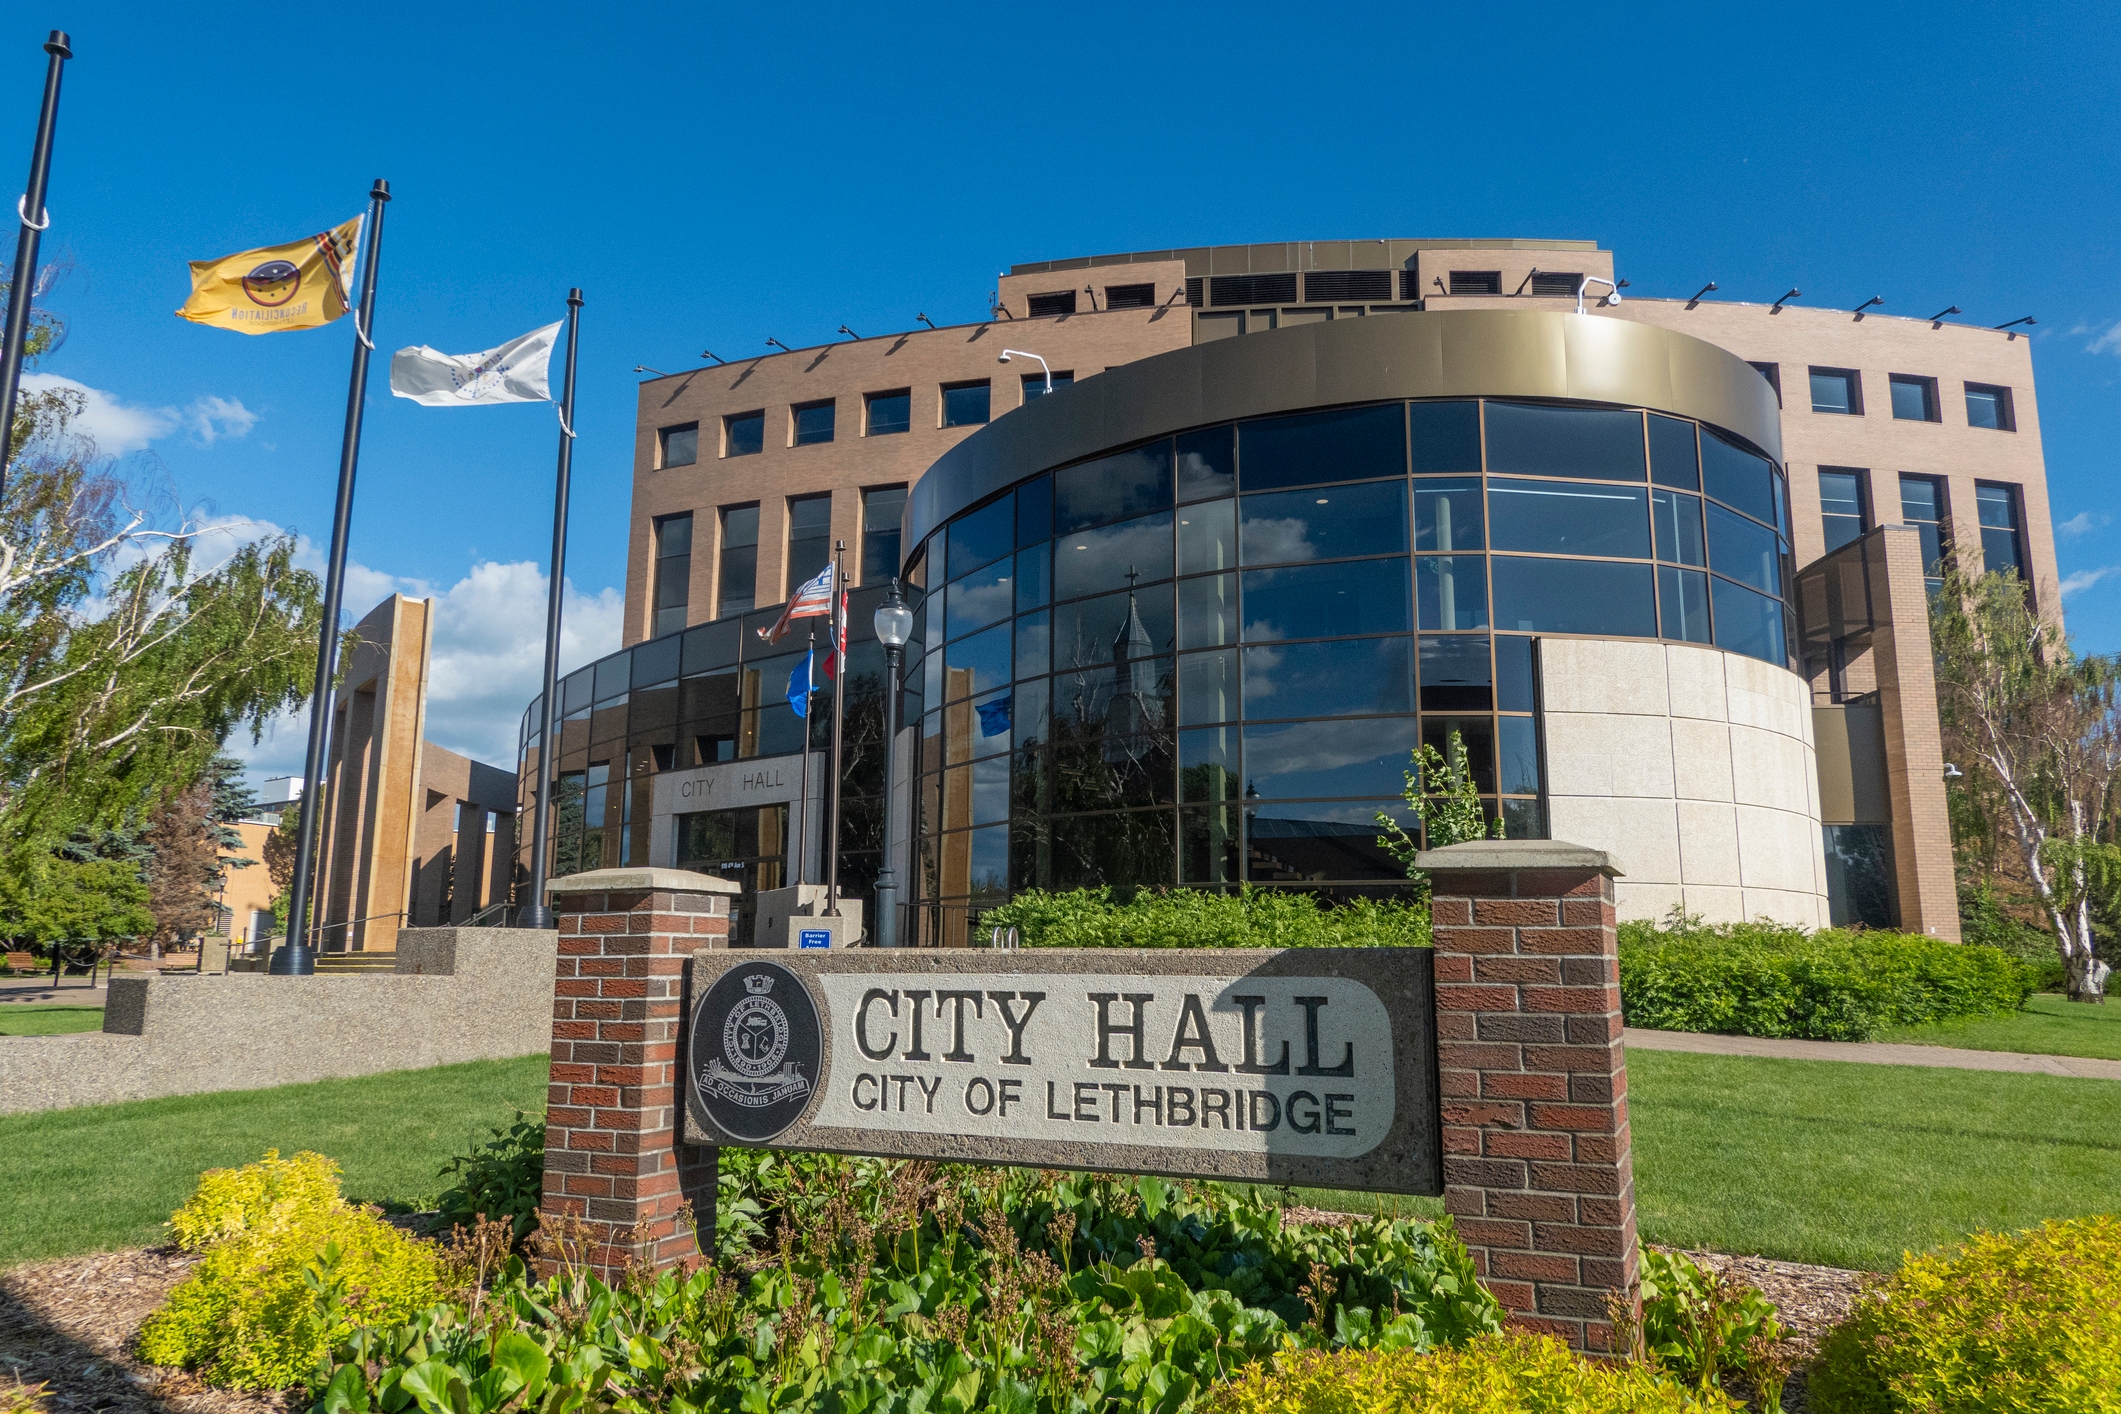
1336,286
1129,296
1251,289
1476,282
1060,302
1193,295
1409,285
1556,284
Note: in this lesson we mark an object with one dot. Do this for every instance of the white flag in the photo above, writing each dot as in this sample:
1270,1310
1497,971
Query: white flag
516,372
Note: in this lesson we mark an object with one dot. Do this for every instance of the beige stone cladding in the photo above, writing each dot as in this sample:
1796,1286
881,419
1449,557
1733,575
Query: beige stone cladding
1694,768
1874,441
922,361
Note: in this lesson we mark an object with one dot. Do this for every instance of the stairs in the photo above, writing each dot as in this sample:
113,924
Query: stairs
340,963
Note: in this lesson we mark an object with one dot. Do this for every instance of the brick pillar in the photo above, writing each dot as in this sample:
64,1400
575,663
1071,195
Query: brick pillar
612,1127
1534,1080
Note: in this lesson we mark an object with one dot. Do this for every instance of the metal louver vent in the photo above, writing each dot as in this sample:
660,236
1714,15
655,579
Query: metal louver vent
1251,289
1193,286
1129,296
1409,285
1334,286
1060,302
1556,284
1476,282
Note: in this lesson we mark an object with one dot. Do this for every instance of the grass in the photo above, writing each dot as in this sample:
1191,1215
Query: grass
1847,1165
107,1176
2050,1025
36,1019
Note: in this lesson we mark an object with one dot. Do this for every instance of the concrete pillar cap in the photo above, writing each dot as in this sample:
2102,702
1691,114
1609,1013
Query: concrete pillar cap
1492,855
631,881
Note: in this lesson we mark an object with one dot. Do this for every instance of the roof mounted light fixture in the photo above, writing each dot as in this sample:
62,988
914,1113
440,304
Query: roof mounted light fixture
1937,319
1525,281
1612,296
1092,292
1776,307
710,353
925,320
1007,354
2027,320
850,333
1705,289
644,368
1858,310
776,343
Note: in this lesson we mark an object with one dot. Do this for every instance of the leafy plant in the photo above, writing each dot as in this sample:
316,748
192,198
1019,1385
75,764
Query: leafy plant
2028,1323
1192,918
1701,1328
1444,800
502,1178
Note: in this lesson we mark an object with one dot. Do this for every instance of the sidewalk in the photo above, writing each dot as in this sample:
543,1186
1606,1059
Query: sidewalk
75,991
1872,1053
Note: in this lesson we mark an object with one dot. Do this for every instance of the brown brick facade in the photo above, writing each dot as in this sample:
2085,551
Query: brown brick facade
612,1151
1537,1173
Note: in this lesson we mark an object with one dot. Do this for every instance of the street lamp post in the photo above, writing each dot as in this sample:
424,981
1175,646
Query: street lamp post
894,625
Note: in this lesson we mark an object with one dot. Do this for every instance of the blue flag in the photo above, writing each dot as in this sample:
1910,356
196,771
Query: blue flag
993,716
800,687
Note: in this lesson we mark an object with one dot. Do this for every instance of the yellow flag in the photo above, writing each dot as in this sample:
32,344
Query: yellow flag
302,285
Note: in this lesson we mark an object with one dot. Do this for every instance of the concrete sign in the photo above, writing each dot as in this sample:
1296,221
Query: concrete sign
732,785
1312,1066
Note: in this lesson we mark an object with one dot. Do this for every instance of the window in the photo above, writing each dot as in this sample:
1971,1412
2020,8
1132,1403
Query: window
809,538
1035,384
1773,373
1556,284
1130,296
678,446
1445,436
2002,540
965,404
1989,406
1837,390
1558,441
890,412
744,434
1476,282
814,423
1842,512
1118,487
1311,447
1914,399
1226,290
1059,302
1559,519
737,585
1674,460
882,511
673,572
1923,505
1338,286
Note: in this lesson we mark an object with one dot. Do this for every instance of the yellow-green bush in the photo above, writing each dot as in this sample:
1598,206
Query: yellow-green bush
1494,1374
248,1317
2028,1323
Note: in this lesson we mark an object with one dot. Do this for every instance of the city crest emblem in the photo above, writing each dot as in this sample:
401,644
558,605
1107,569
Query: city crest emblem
756,1048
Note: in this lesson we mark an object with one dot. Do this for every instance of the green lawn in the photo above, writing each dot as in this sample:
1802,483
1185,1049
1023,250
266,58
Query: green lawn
2050,1025
107,1176
37,1019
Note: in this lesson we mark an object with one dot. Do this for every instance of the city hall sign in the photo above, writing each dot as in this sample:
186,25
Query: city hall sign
1312,1066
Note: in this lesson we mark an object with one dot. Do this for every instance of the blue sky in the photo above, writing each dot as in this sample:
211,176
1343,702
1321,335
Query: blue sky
713,177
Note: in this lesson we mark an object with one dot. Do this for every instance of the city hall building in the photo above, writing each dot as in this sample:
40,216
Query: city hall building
1232,530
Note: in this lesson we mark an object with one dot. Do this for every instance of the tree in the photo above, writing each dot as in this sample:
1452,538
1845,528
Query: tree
1449,813
185,872
2037,730
59,903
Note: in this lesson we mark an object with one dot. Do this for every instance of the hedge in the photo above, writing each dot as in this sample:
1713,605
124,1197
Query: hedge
1192,918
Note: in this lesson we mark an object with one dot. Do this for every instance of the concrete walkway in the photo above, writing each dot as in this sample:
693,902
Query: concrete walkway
1873,1053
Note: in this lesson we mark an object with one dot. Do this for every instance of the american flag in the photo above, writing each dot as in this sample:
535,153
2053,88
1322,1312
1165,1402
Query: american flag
812,601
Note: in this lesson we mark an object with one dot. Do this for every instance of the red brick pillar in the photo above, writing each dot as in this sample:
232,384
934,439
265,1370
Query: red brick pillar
1534,1080
613,1155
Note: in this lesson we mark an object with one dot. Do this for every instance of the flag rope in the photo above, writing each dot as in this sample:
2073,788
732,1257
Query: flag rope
362,334
22,210
563,419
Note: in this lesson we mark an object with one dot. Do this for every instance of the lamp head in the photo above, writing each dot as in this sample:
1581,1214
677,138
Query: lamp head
894,621
1612,298
1003,359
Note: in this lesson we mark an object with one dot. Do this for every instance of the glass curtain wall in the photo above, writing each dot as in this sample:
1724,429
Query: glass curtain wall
1206,660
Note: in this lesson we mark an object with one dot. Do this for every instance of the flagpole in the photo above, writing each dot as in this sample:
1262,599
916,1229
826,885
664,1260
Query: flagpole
839,702
802,840
295,957
24,285
538,914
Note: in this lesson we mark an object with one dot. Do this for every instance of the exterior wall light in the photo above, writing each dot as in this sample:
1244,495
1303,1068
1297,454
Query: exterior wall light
1776,307
1008,354
1612,291
1705,289
1874,299
1937,319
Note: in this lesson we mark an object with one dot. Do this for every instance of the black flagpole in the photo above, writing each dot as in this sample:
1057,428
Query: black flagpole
34,219
295,957
839,703
537,914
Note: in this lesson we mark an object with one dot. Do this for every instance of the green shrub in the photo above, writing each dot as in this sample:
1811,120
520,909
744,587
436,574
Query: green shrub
1495,1374
501,1179
288,1268
1982,920
2024,1323
1765,979
1191,918
1700,1327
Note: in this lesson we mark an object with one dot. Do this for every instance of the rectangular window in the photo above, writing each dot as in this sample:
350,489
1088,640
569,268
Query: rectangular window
1476,282
809,538
966,404
743,434
1048,305
1923,505
1130,296
1837,390
814,423
882,511
2002,535
1773,373
736,586
1556,284
1914,398
678,446
673,572
1035,384
1842,512
889,412
1990,406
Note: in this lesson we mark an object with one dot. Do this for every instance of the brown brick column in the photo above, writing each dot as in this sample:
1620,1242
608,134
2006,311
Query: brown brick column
1534,1080
612,1150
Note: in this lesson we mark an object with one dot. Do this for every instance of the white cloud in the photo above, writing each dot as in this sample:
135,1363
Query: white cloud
2108,342
118,427
2082,580
2082,523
